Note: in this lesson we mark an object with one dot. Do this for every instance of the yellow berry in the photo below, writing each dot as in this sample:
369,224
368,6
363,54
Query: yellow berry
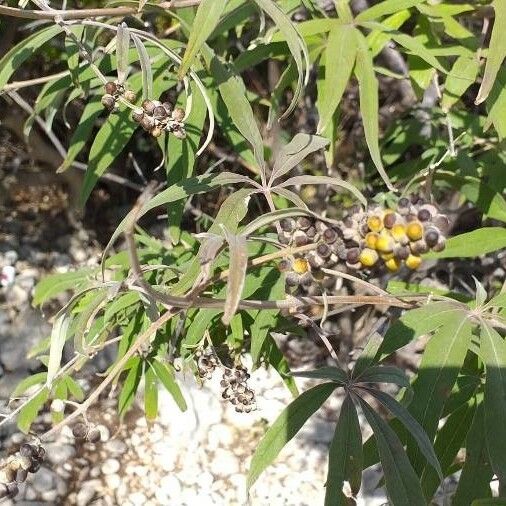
300,266
368,257
385,244
386,256
370,240
399,233
413,261
375,223
393,264
415,230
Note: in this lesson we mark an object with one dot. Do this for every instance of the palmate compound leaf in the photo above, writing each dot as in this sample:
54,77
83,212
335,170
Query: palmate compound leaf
493,350
286,426
345,456
401,481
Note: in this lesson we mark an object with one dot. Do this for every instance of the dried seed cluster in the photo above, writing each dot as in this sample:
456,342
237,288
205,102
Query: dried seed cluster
85,432
235,389
363,239
155,117
15,468
206,363
113,91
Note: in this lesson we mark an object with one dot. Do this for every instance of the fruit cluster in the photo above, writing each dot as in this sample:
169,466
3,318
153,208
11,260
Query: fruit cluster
155,117
375,238
15,469
206,363
84,432
113,91
235,389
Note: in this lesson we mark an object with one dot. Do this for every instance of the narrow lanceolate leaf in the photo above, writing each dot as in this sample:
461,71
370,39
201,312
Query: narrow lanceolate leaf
339,60
401,481
496,51
386,7
72,50
442,360
493,349
237,268
295,43
166,377
130,386
22,51
369,107
368,355
328,373
384,374
461,77
274,216
29,412
345,456
295,151
122,45
150,393
147,71
58,338
206,19
472,244
413,427
289,422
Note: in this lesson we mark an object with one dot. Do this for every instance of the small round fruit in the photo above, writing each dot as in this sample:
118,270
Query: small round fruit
385,244
284,266
315,261
27,450
159,112
156,132
419,247
323,250
178,114
94,435
404,205
424,215
389,219
368,257
34,467
287,224
110,88
393,265
80,430
442,223
300,238
292,279
148,123
402,252
371,239
168,108
25,462
353,255
413,261
108,102
414,230
130,96
329,235
440,246
300,265
148,106
303,222
375,223
12,489
399,233
21,475
137,115
431,237
387,256
284,237
311,233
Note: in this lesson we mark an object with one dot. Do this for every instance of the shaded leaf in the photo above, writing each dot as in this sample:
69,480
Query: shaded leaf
166,377
130,386
384,374
58,338
368,355
328,373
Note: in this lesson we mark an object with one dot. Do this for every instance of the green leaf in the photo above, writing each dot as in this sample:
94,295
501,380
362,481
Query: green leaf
339,60
54,284
205,21
72,50
166,377
277,360
130,386
146,70
83,131
368,355
384,8
401,480
345,456
150,393
473,244
329,373
74,388
58,338
496,51
295,151
368,93
14,58
295,43
496,104
441,362
493,349
476,474
384,374
30,410
286,426
413,427
491,501
35,379
461,77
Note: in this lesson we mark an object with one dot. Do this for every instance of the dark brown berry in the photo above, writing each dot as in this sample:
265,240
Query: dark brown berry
323,250
431,237
287,224
329,235
168,108
178,114
389,220
4,491
148,106
12,489
404,203
284,266
110,88
34,467
301,239
424,215
292,279
402,252
108,102
303,222
80,430
284,238
147,123
21,475
311,233
159,112
40,453
442,223
353,255
138,115
94,435
130,96
26,450
419,247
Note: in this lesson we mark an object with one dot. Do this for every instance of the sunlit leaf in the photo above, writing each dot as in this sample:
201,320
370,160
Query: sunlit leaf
166,377
58,338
